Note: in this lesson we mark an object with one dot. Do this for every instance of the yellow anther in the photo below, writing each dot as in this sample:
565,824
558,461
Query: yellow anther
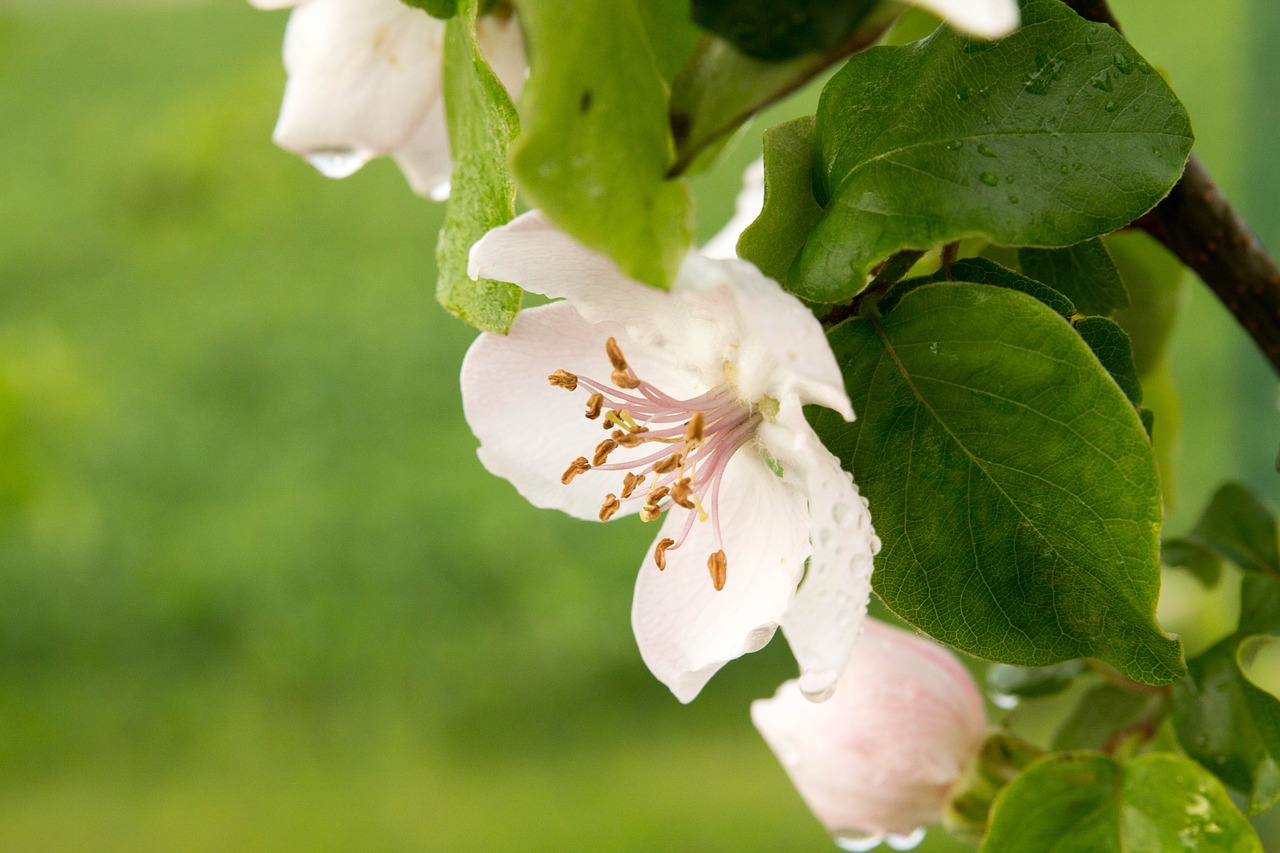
564,379
660,553
719,568
610,506
594,403
575,468
603,449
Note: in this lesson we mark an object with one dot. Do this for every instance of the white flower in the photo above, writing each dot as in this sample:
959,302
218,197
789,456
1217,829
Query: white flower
365,80
882,756
747,207
990,19
699,391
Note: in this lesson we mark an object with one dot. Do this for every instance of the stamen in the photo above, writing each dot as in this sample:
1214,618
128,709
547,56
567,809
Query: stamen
624,379
693,434
576,467
594,403
614,352
564,379
719,568
660,553
657,495
681,492
669,464
611,505
603,449
649,512
633,439
629,483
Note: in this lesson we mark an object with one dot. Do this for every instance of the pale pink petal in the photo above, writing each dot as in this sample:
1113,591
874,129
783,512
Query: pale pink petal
363,74
502,45
990,19
749,203
824,620
687,630
882,755
425,159
529,430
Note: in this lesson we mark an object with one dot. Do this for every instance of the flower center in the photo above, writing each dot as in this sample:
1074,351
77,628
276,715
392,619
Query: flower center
689,444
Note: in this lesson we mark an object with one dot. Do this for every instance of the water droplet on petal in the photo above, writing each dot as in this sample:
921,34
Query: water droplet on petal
842,514
856,841
875,544
338,162
818,684
440,192
905,842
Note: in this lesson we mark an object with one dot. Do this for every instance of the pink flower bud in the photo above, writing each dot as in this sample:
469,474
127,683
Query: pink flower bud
880,757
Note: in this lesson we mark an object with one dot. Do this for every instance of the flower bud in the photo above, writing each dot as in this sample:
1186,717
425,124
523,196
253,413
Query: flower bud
882,755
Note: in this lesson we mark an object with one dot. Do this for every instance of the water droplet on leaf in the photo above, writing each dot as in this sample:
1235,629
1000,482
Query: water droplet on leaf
985,151
989,179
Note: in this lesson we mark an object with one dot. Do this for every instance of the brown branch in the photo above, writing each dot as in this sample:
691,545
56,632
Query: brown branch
1197,223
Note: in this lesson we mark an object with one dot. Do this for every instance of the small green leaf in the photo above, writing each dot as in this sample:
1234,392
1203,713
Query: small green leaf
1027,551
1029,682
482,124
435,8
1224,730
1111,346
1054,135
1090,803
1084,272
1241,528
1158,286
1203,562
596,145
983,271
1101,712
774,239
767,29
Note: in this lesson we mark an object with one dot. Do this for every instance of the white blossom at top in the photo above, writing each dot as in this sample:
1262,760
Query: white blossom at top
699,393
365,80
990,19
882,757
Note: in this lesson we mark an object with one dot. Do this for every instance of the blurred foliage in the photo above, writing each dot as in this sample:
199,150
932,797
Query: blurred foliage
256,592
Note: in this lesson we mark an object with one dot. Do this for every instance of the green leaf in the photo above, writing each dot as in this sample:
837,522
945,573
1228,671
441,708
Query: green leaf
1010,480
1200,560
670,32
482,124
1084,272
596,145
1054,135
1111,346
1219,726
1259,604
1241,528
1101,712
1029,682
1090,803
774,239
983,271
1158,286
435,8
767,29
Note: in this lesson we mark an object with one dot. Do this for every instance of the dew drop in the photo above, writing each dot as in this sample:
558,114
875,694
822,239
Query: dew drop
440,192
1110,106
338,162
954,145
1123,63
989,179
1008,179
962,94
933,347
1137,108
1004,701
818,684
1064,169
1143,66
856,841
985,151
874,544
1102,81
789,754
1013,199
842,514
905,842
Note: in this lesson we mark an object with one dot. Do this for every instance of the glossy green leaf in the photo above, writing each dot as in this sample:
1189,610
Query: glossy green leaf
1010,480
596,144
1241,528
1090,803
984,271
1084,273
1158,286
767,29
1202,561
1029,682
435,8
1101,712
1054,135
482,124
1259,604
774,239
670,32
1218,725
1111,346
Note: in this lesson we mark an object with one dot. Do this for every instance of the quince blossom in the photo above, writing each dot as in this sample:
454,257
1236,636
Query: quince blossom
365,81
989,19
882,757
699,393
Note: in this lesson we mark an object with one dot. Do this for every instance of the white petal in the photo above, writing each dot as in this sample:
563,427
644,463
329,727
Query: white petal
425,159
530,431
882,755
687,630
985,18
749,203
363,75
826,616
778,322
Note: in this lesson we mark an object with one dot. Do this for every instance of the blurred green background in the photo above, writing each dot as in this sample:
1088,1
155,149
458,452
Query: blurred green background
256,592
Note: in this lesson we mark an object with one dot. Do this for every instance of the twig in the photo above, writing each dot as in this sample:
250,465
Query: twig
1197,223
